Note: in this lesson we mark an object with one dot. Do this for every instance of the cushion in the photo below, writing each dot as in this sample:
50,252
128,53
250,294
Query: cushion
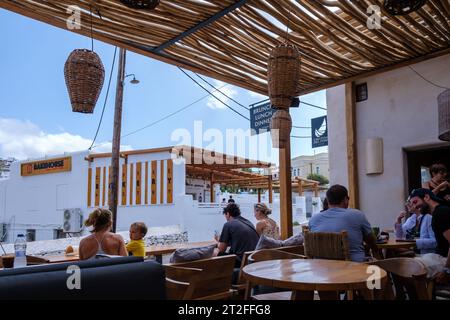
191,254
266,242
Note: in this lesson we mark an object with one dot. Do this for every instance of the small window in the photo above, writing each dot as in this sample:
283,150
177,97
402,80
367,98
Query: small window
317,170
58,234
31,235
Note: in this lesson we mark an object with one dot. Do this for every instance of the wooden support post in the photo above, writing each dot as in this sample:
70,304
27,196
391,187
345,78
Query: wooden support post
285,191
352,153
270,189
212,188
113,188
316,190
300,187
259,195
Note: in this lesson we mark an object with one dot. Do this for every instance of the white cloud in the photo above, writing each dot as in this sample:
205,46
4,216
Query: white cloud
213,103
24,139
257,95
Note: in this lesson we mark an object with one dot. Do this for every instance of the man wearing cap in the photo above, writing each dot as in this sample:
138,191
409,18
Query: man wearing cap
427,201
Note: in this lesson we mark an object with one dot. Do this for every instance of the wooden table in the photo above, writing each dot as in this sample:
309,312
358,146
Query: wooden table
393,244
308,275
159,250
60,258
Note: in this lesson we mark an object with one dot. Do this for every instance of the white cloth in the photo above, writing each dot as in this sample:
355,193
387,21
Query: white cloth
434,263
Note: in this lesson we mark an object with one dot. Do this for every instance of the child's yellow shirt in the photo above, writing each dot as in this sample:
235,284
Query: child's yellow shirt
137,248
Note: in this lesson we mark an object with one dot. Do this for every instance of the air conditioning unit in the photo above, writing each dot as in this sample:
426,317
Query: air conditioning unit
72,220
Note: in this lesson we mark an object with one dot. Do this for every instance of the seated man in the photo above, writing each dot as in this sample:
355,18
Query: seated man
417,227
237,233
427,201
339,218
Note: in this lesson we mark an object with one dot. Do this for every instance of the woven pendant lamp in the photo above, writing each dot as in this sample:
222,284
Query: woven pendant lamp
444,115
141,4
283,75
402,7
280,128
84,74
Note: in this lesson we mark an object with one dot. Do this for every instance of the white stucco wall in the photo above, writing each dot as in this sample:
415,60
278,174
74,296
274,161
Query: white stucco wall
37,202
402,110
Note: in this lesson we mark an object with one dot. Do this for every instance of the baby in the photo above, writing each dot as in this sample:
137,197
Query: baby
136,246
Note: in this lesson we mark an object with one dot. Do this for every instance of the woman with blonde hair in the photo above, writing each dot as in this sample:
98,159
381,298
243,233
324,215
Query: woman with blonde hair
265,225
101,241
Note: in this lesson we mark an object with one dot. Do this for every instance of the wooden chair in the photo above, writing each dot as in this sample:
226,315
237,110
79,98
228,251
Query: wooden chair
326,245
264,255
208,279
409,278
241,283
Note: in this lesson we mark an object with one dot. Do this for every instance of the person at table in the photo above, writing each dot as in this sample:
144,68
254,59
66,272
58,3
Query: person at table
101,241
265,225
238,233
427,201
136,246
438,183
417,228
339,218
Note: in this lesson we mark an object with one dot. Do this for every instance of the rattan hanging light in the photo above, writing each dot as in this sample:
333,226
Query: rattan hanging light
280,128
444,115
84,74
141,4
283,75
402,7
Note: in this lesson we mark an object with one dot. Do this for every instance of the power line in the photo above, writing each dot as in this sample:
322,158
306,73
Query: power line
301,137
106,99
163,118
430,82
167,116
301,127
313,105
237,102
225,104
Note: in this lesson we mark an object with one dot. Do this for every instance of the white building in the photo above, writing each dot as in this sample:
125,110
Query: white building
401,113
161,187
303,166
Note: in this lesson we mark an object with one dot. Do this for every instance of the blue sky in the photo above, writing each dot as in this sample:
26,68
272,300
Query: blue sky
36,117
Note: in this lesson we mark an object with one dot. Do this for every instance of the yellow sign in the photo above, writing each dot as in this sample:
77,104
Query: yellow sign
46,166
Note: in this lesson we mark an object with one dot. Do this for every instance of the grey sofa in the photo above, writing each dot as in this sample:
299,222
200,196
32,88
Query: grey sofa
113,278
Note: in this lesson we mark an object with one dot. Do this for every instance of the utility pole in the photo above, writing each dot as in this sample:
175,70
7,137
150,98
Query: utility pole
113,188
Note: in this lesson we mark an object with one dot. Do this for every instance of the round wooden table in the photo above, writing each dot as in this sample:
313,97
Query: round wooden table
394,244
389,248
312,274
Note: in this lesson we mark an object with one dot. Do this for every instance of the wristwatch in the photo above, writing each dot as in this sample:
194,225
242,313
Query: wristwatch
447,270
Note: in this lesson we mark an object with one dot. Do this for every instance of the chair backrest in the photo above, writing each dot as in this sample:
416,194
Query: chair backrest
201,279
298,249
409,277
272,254
326,245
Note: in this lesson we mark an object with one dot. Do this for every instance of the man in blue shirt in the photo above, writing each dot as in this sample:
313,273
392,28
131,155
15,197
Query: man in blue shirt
339,218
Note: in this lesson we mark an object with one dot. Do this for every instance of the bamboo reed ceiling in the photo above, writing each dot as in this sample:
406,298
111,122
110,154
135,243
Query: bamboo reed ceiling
231,40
